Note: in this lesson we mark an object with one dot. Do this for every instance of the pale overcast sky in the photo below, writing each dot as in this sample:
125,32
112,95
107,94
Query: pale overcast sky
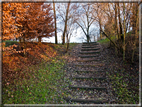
78,37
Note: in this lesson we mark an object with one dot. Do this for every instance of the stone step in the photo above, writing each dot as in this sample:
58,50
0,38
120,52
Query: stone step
87,47
88,56
95,52
87,60
90,65
97,101
88,82
91,49
88,71
78,77
87,87
91,74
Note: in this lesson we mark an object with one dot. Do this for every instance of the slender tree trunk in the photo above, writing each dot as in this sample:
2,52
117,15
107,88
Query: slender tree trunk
88,38
65,28
120,25
56,40
67,43
116,28
100,29
120,29
136,32
39,39
20,40
133,19
110,39
124,46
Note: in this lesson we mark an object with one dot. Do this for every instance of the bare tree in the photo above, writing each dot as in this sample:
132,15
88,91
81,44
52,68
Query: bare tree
66,12
65,27
56,40
84,20
135,27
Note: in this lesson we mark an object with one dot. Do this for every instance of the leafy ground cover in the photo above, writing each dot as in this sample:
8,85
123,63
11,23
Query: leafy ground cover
124,79
124,76
36,78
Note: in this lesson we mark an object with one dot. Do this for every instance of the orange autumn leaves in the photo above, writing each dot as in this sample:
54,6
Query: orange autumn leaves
36,51
16,62
27,21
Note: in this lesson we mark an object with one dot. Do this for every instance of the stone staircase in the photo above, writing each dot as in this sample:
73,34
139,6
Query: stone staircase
88,82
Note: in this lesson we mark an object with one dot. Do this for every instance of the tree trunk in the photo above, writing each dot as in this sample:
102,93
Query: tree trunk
88,38
67,43
100,29
136,32
110,39
56,40
65,28
124,33
39,39
116,28
120,25
20,40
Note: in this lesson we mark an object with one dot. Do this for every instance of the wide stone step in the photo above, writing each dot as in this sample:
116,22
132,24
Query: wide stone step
78,77
87,71
88,47
87,60
89,82
91,74
94,52
87,87
68,99
88,56
90,65
91,49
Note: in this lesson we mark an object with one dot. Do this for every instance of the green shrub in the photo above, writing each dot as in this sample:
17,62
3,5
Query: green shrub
9,42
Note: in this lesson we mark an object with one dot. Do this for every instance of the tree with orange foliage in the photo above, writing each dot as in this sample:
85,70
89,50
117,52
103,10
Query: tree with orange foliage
27,21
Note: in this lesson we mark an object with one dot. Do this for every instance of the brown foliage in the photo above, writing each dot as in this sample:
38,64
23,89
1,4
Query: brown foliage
26,20
17,62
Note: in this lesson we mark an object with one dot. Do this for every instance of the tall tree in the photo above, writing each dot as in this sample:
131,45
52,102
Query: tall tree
66,19
124,25
26,21
45,22
84,20
120,24
135,21
56,39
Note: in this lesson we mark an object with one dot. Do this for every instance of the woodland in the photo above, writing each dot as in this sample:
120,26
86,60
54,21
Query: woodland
29,65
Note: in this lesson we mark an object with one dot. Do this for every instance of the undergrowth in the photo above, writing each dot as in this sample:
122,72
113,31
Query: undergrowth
121,88
38,83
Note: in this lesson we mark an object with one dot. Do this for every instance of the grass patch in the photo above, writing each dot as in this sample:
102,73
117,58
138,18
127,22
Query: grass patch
104,41
42,86
41,83
121,88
